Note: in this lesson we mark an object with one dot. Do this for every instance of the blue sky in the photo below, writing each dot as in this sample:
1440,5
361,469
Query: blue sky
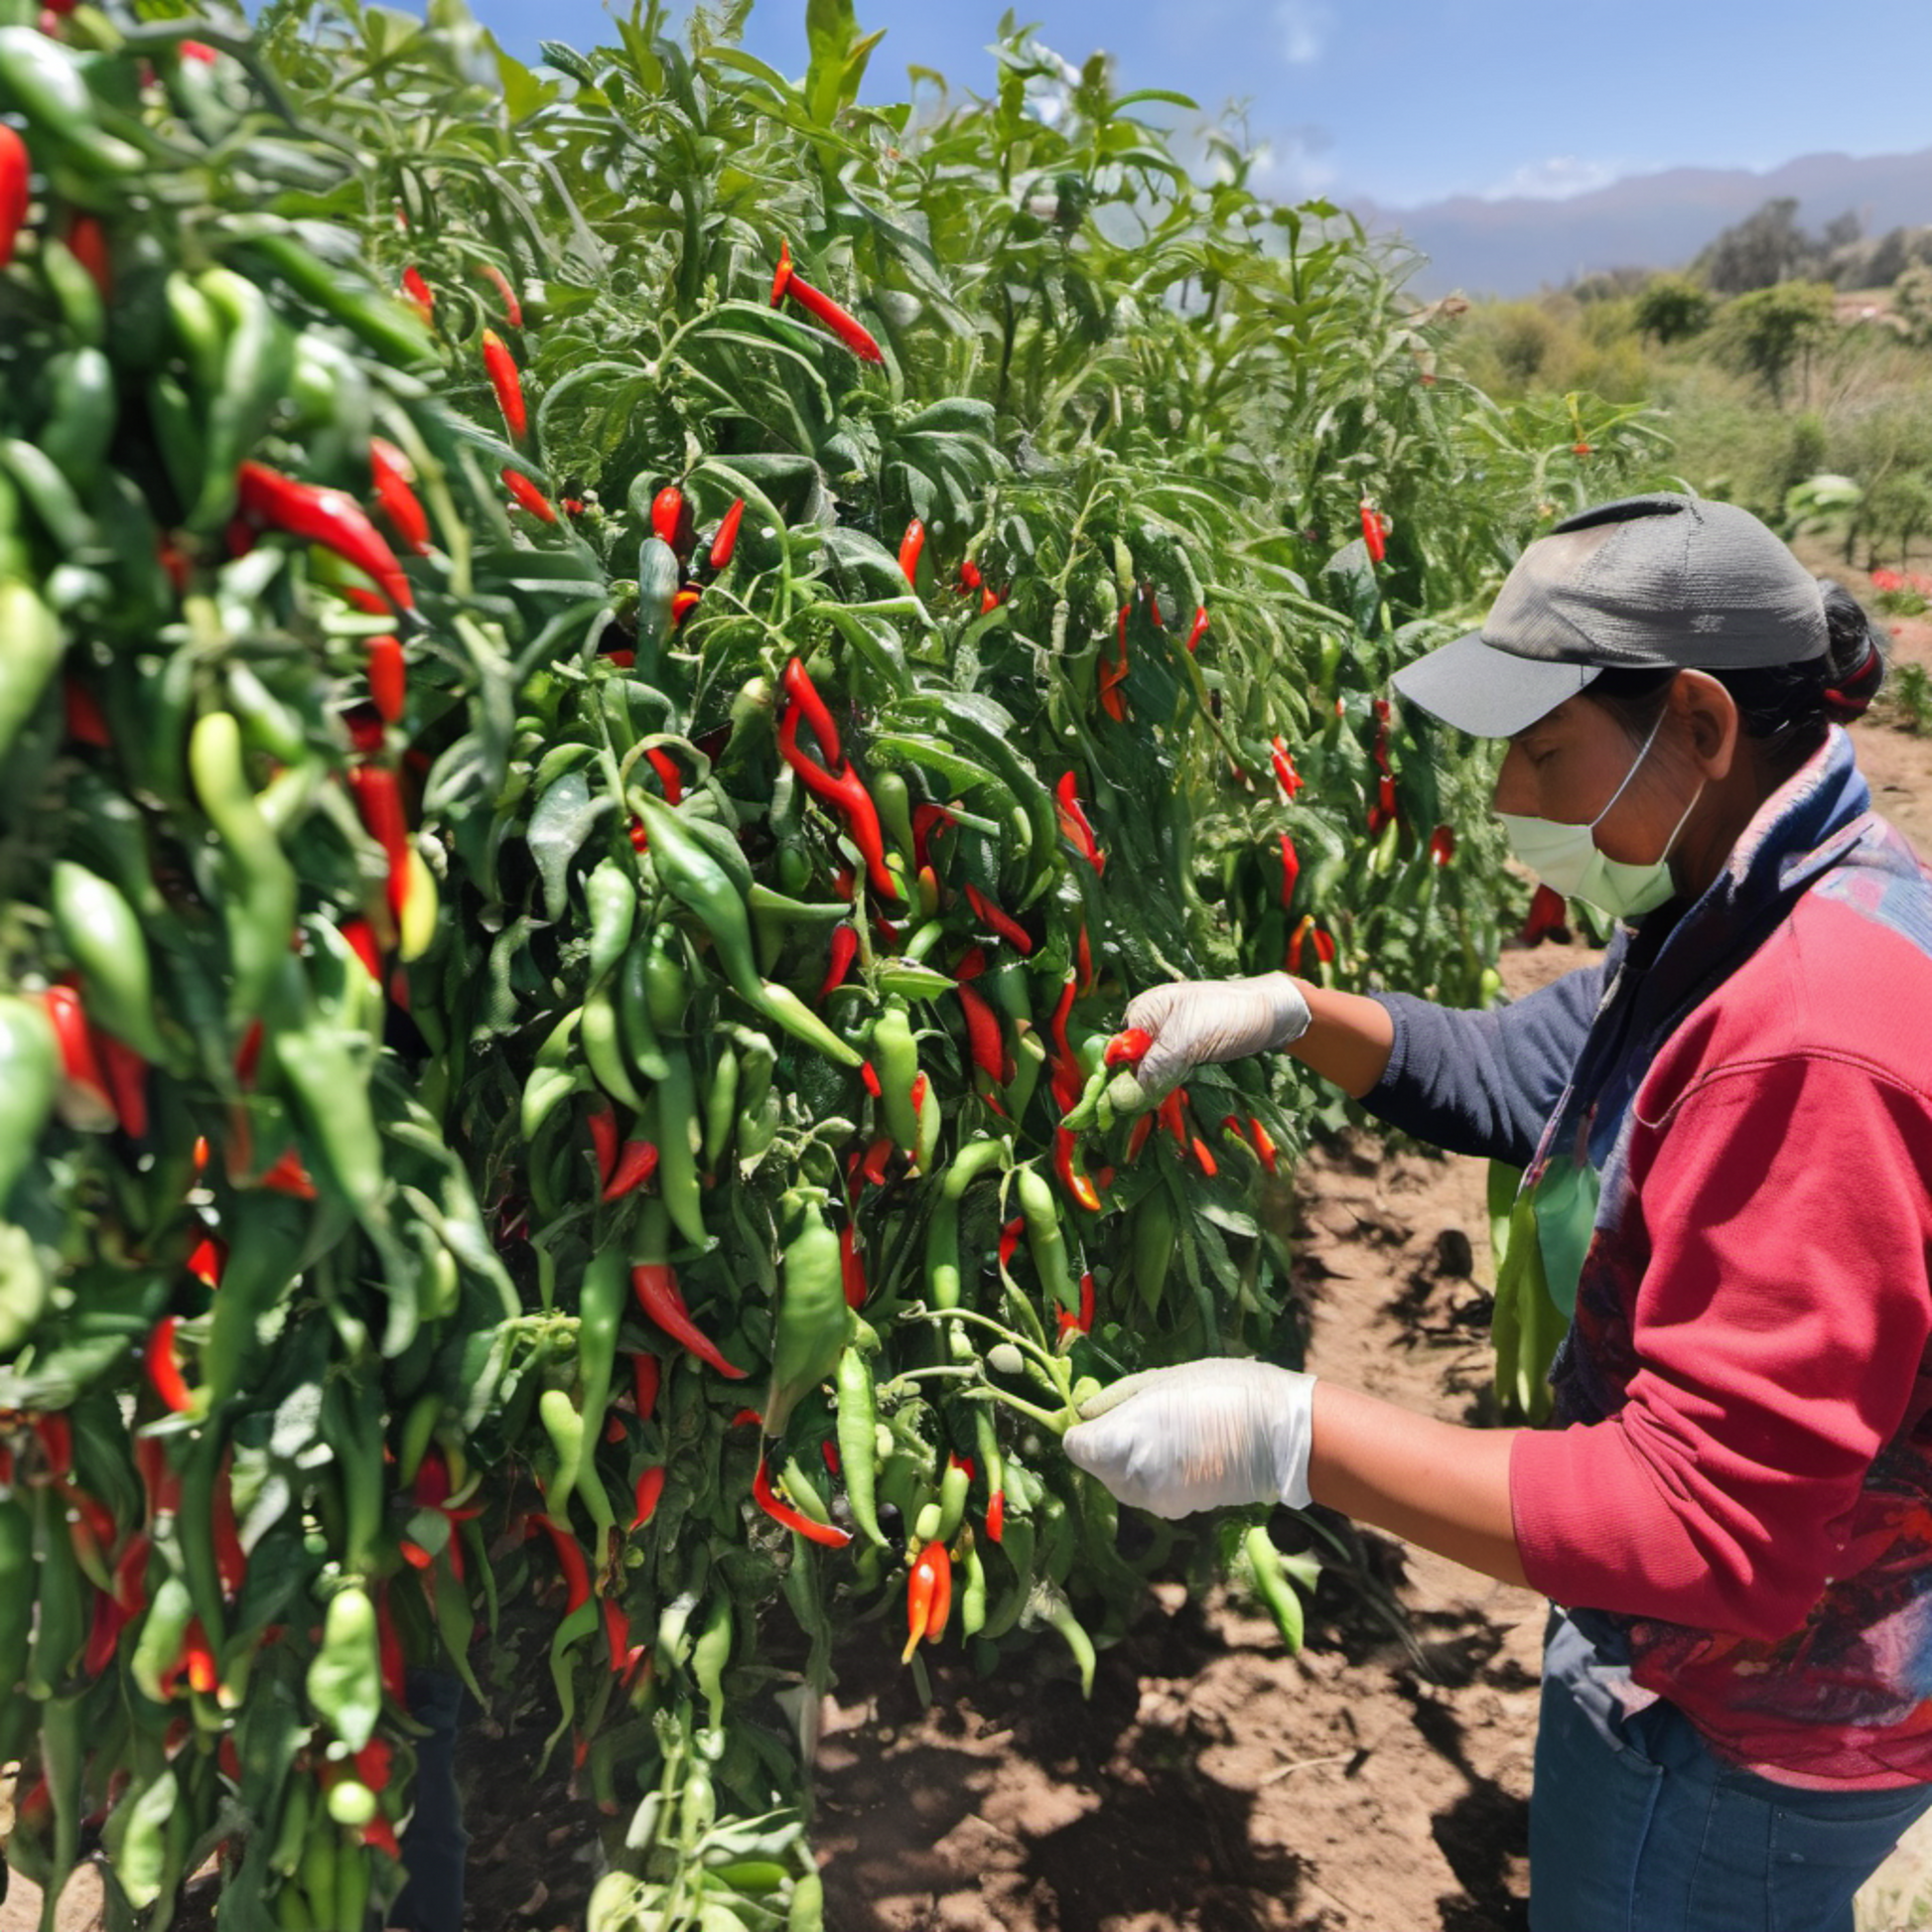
1404,101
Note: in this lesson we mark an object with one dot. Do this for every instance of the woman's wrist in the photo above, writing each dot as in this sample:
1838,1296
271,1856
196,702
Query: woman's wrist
1348,1040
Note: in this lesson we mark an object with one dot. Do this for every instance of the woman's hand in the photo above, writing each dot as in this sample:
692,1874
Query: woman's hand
1193,1021
1204,1435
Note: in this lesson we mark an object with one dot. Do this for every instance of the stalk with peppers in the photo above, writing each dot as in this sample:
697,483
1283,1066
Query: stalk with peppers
560,1117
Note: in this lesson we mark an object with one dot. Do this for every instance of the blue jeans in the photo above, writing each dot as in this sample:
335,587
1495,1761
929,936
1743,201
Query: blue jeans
1635,1827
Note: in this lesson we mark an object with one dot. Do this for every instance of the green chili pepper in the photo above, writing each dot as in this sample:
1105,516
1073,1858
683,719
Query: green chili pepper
345,1680
104,940
690,873
634,1026
603,1053
678,1139
972,1592
30,1076
896,1057
563,1423
141,1860
81,412
720,1106
260,912
809,1333
1017,1548
60,1624
1051,1609
953,1489
257,362
1044,1241
612,898
857,1427
385,325
711,1653
601,1301
36,644
942,1268
1153,1244
1278,1595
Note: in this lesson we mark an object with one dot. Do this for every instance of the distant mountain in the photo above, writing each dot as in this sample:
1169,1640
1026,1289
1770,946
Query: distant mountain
1516,247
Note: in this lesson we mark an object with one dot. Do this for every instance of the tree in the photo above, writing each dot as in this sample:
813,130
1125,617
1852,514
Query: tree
1912,304
1673,308
1770,331
1762,250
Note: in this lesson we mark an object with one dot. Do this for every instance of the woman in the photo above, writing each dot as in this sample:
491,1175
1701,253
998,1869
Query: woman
1726,1131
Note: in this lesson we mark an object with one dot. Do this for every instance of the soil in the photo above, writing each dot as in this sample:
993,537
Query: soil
1213,1784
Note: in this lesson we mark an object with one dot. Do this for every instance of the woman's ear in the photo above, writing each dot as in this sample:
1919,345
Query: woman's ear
1710,713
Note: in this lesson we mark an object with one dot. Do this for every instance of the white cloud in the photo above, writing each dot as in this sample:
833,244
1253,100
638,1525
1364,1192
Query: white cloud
1290,167
1302,27
1555,179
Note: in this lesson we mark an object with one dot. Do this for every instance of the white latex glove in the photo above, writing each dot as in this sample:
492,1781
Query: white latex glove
1201,1435
1193,1021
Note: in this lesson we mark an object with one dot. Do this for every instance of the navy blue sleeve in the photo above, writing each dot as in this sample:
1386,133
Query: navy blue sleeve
1484,1083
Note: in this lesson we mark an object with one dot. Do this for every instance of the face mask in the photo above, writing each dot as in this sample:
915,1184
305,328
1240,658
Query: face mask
1566,857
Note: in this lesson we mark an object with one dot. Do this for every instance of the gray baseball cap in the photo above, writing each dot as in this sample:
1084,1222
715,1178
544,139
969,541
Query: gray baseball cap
1648,583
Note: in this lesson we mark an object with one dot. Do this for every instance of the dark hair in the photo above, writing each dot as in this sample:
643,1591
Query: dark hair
1786,706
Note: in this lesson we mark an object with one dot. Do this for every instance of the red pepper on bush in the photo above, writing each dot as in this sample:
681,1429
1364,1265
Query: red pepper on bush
396,496
820,306
929,1598
725,543
507,382
15,168
330,517
512,308
528,497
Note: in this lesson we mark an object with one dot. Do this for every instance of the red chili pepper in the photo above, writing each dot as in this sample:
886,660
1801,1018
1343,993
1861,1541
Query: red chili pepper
972,963
875,1160
647,1374
512,308
829,1450
870,1076
1128,1047
571,1561
1002,923
87,723
330,517
528,497
361,936
1067,1076
841,322
206,1259
197,1654
651,1487
1580,448
1009,1240
657,1294
15,168
996,1516
1548,913
163,1370
388,678
670,519
799,688
603,1122
1285,776
848,795
1074,824
1205,1156
984,1041
1291,869
927,821
289,1177
1441,844
87,241
1263,1144
929,1598
1083,960
726,540
395,496
127,1083
635,1166
780,1511
1199,632
1081,1324
378,794
1071,1177
989,600
1137,1136
389,1647
669,775
375,1763
852,1267
1374,531
1113,704
845,948
1171,1116
507,382
417,292
782,275
684,602
1325,946
415,1556
910,546
85,1103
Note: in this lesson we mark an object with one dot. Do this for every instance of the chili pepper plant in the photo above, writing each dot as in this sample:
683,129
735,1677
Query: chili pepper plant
613,672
